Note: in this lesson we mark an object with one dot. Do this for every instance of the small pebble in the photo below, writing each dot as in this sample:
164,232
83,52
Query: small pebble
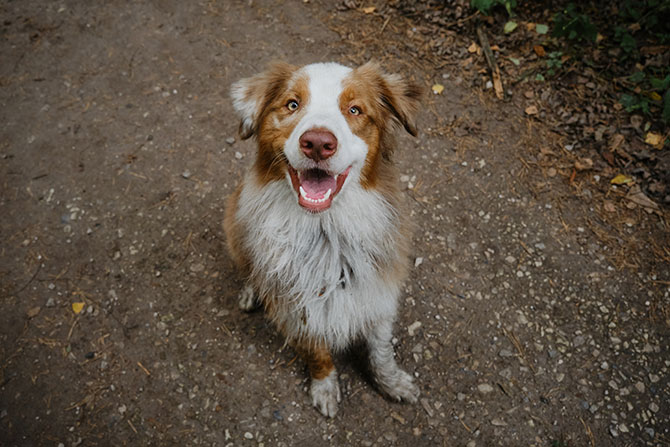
411,329
230,140
186,174
484,388
238,155
248,435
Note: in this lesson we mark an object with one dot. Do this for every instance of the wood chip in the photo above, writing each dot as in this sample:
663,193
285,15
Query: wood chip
531,110
398,418
426,406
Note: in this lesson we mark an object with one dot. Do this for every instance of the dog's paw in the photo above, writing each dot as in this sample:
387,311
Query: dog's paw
399,386
326,394
248,301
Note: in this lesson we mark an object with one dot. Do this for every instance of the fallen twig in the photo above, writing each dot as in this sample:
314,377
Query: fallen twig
491,61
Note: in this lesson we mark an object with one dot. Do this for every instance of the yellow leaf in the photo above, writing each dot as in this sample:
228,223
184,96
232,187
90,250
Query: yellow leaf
438,89
655,96
621,179
369,9
473,48
654,139
77,307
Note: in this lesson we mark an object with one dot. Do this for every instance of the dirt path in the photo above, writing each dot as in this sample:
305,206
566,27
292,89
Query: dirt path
116,155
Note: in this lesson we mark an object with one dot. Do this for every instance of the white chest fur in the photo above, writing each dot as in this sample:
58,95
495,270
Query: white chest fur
323,272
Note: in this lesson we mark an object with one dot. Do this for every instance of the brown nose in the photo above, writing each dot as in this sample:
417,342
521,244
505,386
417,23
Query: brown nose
318,144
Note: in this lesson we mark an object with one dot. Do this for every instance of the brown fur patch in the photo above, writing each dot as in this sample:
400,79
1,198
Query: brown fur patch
235,235
382,99
318,359
276,124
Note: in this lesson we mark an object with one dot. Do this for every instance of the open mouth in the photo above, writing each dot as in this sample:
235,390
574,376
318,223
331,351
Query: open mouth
316,188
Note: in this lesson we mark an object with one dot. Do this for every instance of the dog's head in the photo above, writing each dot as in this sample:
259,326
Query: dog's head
323,126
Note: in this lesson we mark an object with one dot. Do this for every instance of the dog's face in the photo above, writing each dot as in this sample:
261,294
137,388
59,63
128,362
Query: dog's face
322,126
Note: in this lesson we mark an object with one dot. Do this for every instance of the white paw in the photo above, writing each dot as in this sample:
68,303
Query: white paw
399,385
326,394
248,301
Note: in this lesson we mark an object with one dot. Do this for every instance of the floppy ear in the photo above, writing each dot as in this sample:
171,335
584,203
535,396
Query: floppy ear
399,96
252,95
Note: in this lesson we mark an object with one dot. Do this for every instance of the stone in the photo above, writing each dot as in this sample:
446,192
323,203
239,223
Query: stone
484,388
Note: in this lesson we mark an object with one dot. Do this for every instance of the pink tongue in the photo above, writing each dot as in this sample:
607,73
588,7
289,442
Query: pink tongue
316,183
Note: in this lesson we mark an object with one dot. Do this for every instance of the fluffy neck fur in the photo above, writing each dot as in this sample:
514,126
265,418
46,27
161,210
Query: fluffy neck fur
313,271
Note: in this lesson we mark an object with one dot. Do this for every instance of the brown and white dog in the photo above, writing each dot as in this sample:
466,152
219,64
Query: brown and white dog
317,226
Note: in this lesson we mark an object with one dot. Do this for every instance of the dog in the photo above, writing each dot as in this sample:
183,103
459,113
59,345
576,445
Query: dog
317,226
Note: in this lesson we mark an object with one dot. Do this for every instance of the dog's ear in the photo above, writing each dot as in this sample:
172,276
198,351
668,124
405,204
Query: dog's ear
399,96
252,95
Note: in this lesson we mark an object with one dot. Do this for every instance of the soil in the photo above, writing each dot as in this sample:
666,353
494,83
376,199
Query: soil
537,312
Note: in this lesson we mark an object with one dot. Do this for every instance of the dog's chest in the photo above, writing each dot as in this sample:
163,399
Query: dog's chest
323,271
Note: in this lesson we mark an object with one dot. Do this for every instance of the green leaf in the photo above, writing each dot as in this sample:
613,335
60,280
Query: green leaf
482,5
637,77
510,26
539,77
660,84
629,102
628,43
541,29
515,61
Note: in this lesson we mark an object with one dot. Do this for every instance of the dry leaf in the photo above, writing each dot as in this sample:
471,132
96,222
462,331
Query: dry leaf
638,197
33,311
77,307
546,151
616,141
621,179
583,164
473,48
654,139
609,206
539,50
531,110
369,9
438,89
551,172
530,26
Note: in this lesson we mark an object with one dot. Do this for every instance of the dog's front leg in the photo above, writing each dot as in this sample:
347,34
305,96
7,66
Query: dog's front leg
392,380
247,299
324,388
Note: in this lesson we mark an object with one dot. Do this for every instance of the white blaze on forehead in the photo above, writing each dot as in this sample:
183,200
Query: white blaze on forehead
325,84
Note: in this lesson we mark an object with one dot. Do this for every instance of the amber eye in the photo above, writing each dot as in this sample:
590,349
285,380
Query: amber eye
355,110
292,105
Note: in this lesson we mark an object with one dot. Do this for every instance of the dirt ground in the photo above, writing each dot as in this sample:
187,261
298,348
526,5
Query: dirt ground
532,316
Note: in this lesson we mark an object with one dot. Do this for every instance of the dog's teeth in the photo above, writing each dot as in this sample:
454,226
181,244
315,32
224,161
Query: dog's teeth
303,194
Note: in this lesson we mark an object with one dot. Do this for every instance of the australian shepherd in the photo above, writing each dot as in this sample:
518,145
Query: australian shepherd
317,225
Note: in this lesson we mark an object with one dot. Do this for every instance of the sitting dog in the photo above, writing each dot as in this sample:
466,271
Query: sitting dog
316,226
